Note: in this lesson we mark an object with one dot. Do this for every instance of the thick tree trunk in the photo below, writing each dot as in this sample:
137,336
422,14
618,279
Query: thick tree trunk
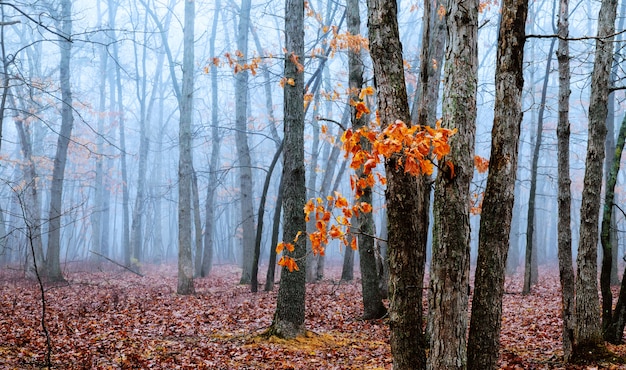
53,263
588,334
185,166
403,197
566,270
495,220
289,316
451,231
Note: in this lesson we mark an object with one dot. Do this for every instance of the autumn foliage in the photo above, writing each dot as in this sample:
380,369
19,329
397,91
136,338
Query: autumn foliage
416,151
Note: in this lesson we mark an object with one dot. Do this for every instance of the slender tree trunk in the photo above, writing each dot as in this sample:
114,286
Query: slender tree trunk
373,307
347,269
566,270
254,283
53,263
197,222
588,334
31,199
402,194
608,327
271,268
125,240
185,166
290,304
243,150
531,247
495,220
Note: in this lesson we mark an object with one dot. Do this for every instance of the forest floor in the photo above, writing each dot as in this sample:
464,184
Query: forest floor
115,319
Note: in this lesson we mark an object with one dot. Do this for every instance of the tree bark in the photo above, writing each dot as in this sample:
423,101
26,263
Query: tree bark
608,328
451,231
588,335
185,166
290,304
495,220
373,307
53,263
402,194
566,271
243,150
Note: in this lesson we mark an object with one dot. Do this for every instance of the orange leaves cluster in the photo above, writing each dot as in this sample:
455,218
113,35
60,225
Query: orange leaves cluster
236,63
415,149
481,164
347,41
327,225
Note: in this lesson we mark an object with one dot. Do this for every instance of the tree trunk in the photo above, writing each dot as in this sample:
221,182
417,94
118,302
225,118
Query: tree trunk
530,276
289,316
609,330
209,228
566,271
451,231
271,268
243,151
53,263
588,334
112,9
403,195
254,281
31,200
185,166
197,222
495,220
373,307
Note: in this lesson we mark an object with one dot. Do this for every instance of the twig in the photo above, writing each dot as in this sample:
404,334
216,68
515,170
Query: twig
116,263
330,120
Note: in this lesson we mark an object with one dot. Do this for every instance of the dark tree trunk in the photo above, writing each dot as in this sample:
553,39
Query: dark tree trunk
588,333
289,316
608,328
451,230
495,220
373,307
566,270
53,263
403,195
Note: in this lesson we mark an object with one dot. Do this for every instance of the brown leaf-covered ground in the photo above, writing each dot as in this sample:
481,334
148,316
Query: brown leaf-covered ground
114,319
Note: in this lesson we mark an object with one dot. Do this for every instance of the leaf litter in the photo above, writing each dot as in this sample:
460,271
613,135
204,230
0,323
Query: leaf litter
112,319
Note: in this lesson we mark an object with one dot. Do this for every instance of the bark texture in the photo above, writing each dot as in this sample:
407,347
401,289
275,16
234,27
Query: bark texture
185,167
289,316
403,198
243,150
495,221
566,270
588,333
373,307
451,231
